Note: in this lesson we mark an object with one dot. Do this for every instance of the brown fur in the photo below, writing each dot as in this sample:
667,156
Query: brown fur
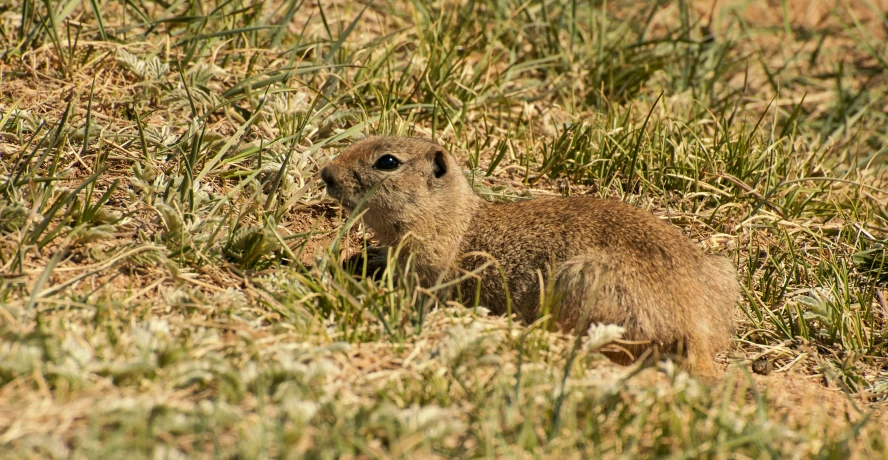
610,262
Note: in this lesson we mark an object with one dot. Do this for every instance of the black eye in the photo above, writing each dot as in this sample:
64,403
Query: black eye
387,163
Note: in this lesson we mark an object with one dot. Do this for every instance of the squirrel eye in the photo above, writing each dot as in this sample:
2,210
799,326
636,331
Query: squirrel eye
387,163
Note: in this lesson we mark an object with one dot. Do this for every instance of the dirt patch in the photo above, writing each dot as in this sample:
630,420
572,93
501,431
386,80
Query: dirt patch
800,14
797,397
318,225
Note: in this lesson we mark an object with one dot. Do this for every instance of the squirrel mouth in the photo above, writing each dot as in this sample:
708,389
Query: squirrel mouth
336,193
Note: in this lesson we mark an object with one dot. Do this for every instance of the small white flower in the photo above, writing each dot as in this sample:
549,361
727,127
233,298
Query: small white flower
601,335
299,411
458,340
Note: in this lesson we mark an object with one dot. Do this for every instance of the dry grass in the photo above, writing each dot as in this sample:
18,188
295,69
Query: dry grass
169,266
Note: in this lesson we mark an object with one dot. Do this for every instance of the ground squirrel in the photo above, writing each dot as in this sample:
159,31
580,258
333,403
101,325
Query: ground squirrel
618,263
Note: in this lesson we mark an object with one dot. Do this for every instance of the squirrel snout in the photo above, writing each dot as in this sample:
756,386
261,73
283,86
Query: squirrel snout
327,176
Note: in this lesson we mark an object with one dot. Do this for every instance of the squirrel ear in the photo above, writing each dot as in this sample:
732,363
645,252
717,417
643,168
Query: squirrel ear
439,164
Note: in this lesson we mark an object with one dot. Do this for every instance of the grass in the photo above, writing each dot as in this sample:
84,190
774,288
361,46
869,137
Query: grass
170,283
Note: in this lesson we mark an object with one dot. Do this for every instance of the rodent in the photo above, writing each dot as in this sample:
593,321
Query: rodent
610,262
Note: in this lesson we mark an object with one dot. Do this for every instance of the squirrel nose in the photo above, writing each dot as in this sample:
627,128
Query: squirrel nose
327,176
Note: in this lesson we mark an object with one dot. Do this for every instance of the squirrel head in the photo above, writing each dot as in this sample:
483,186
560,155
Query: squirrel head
401,184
